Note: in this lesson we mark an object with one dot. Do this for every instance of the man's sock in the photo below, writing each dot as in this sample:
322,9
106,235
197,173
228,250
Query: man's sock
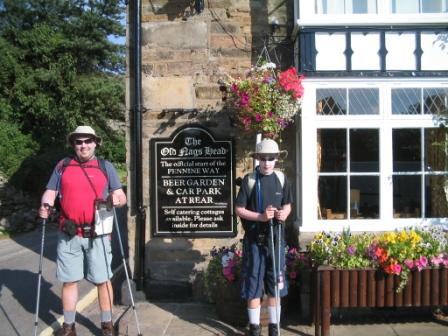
106,316
254,315
273,314
69,316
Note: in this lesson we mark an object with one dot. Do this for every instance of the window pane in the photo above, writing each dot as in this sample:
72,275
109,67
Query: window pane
432,6
364,150
405,6
332,150
363,101
406,150
332,192
436,147
363,6
330,7
435,100
364,197
436,196
406,101
407,196
331,101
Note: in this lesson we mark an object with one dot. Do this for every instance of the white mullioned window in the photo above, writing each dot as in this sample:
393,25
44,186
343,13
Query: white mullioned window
373,154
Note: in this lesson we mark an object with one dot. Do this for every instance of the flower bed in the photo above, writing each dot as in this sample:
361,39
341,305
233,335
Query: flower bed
397,252
222,280
407,267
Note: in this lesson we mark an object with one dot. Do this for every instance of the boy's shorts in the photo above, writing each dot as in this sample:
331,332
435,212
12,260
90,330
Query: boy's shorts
258,272
73,251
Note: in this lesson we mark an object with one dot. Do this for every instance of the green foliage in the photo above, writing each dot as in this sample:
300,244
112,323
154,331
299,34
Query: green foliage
59,70
15,147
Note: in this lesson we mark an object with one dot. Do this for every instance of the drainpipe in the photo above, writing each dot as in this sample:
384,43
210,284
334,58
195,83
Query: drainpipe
137,141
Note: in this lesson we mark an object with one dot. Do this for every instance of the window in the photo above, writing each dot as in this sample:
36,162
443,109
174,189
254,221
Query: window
348,173
360,101
420,171
420,101
346,6
374,155
419,6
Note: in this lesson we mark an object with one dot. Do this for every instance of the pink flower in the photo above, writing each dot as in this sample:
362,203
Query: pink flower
421,263
292,275
436,261
246,121
409,263
258,117
244,99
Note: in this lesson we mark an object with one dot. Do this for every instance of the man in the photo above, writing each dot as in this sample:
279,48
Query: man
264,199
80,183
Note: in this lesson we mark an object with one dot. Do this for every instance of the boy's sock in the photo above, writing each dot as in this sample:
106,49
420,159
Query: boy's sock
254,315
273,314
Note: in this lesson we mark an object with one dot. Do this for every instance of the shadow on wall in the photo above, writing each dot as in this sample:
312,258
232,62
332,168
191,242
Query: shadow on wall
175,9
272,27
173,269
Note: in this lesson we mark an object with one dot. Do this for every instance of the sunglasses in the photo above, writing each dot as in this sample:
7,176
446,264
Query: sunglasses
270,158
79,142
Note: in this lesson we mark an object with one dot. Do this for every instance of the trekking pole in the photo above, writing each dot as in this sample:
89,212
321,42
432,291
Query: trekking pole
280,275
277,295
126,271
39,278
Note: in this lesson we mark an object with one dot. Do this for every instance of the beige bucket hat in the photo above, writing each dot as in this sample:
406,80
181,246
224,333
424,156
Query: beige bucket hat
268,146
84,130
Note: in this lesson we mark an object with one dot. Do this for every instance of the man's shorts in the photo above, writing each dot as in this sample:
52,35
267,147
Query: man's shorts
73,251
258,271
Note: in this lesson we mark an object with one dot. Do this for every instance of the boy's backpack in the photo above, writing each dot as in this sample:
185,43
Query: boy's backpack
252,178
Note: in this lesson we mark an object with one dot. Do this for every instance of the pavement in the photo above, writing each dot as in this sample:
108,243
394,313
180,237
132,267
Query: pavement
161,318
200,319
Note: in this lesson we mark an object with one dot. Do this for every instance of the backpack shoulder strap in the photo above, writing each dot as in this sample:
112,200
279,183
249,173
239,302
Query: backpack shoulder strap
251,179
102,165
280,176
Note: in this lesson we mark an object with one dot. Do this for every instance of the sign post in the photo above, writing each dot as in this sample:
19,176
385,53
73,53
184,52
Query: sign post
192,184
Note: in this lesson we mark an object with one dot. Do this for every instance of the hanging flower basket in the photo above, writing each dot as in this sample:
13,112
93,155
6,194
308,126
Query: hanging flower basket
265,100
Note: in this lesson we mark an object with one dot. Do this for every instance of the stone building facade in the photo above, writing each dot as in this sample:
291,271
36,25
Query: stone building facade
185,53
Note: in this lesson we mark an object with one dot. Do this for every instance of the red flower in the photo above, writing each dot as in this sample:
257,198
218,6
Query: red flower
290,81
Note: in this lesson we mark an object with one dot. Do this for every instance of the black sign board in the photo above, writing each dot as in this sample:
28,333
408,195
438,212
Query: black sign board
192,184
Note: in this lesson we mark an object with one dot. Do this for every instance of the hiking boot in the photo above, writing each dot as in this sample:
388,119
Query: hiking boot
273,330
107,329
67,330
254,330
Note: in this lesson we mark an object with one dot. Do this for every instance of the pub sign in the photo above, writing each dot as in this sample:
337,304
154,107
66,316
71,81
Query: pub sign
192,184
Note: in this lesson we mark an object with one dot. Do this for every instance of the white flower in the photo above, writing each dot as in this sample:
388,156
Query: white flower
267,66
226,258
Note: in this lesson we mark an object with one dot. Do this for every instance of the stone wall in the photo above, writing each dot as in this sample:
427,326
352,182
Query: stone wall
17,209
184,55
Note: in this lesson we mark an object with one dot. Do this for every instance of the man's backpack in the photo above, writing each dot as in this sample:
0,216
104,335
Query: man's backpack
252,178
101,165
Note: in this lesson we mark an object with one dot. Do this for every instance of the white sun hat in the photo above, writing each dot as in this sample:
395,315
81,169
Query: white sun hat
84,130
267,146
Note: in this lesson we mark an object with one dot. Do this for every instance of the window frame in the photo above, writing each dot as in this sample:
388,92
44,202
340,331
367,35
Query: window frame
385,122
305,15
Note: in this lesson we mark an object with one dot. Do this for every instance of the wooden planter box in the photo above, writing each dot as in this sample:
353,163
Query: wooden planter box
339,288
